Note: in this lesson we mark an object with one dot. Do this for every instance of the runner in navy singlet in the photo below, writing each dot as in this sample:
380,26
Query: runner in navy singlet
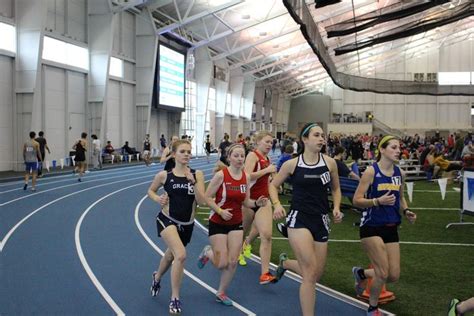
184,187
380,192
313,175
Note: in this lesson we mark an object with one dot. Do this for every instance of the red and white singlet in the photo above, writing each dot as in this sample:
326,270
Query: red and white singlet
259,187
231,194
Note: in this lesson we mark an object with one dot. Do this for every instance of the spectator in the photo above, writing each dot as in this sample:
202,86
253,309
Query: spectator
342,169
43,145
162,142
96,156
287,155
109,149
444,164
126,149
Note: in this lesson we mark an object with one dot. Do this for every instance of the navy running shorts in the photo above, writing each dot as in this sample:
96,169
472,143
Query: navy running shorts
184,231
215,228
317,224
388,233
31,166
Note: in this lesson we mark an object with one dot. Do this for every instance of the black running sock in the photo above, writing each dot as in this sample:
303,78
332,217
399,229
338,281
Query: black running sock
361,274
372,308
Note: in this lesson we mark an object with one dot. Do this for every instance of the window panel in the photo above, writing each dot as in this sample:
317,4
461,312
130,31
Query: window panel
65,53
116,67
7,37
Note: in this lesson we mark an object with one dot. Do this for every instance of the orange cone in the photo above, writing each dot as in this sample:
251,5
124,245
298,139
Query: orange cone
385,296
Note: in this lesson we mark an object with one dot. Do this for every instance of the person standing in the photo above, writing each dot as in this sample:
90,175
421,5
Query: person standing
31,153
43,145
96,152
162,143
147,150
80,147
175,222
167,157
229,186
312,174
207,147
380,192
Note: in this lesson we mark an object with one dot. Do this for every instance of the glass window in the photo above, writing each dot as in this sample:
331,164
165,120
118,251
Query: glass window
116,67
65,53
7,37
228,104
454,78
211,100
236,108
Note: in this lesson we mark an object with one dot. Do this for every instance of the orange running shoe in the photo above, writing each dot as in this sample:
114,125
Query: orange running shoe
266,278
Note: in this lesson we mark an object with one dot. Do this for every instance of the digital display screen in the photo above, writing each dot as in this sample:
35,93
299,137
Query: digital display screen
172,70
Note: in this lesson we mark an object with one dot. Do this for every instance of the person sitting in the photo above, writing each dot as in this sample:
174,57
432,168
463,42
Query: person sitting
109,149
128,150
287,155
445,165
342,169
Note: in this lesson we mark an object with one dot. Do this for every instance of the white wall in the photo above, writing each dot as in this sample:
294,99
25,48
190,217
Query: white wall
414,112
64,109
6,112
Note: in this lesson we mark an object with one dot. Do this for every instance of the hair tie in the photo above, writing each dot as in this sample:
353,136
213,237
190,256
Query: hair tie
308,128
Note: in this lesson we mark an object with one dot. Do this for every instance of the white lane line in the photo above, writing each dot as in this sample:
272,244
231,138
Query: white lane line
419,208
80,183
107,171
322,288
192,276
401,242
93,175
80,252
12,230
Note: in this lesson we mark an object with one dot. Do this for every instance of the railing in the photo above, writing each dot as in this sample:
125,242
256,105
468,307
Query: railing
387,129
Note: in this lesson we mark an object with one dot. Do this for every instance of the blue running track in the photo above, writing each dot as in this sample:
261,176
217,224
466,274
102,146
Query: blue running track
89,249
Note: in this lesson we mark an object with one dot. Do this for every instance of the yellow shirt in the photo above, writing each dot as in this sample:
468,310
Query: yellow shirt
441,162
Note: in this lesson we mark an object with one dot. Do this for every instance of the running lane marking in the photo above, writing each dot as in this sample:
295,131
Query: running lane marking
82,258
189,274
401,242
79,183
322,288
10,233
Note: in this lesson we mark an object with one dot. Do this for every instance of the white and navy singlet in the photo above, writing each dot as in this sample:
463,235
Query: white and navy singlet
181,196
311,184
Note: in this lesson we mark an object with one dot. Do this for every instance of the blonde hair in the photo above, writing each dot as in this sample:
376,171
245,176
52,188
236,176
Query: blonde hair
232,147
260,135
176,144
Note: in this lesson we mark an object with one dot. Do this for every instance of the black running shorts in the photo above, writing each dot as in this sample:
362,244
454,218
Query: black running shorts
184,231
317,224
388,233
215,229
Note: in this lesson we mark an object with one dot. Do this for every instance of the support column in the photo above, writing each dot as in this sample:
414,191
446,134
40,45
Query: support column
221,97
100,34
236,86
259,100
146,50
203,75
30,19
248,93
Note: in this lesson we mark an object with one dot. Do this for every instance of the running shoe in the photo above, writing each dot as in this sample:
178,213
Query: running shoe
452,307
33,189
223,299
375,312
280,270
281,227
79,180
359,283
266,278
242,260
25,186
175,307
155,285
247,250
203,258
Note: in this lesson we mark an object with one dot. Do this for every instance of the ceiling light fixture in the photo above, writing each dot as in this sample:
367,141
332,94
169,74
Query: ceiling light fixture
245,16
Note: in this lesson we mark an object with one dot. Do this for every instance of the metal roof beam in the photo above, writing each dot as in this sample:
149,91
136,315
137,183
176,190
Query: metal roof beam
198,16
263,40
